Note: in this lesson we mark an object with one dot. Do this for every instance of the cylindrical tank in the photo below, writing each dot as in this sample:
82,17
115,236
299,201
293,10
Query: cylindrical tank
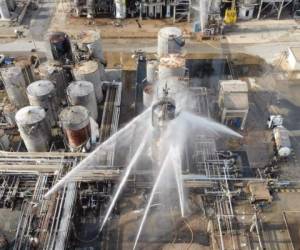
151,70
4,11
82,93
250,2
59,76
11,4
282,141
90,7
120,9
34,128
148,93
9,112
246,11
15,86
42,93
89,71
177,87
171,66
76,125
91,40
25,65
170,41
163,111
60,47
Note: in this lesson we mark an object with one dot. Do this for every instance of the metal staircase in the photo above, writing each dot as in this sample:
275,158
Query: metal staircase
181,10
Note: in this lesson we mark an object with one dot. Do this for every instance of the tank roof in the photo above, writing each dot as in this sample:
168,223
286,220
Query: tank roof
170,31
74,117
40,88
80,88
86,67
30,115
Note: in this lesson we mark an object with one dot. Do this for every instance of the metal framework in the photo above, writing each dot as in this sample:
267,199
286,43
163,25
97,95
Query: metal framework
276,7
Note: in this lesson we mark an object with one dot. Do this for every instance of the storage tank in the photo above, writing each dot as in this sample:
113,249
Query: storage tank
177,89
34,128
82,93
75,122
60,47
42,93
15,86
91,40
151,70
163,111
282,141
171,66
89,71
90,8
148,93
120,9
59,76
170,41
9,112
25,65
4,11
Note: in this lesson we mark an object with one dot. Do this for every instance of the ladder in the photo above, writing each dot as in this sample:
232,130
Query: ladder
181,10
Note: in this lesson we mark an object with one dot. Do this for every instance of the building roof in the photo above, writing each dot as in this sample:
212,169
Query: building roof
236,101
233,86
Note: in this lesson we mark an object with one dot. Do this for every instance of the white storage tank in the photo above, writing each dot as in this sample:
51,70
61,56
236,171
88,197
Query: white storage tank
246,11
82,93
91,40
34,128
4,11
89,71
177,89
282,141
59,76
42,93
171,66
120,9
170,41
75,122
15,86
26,67
152,66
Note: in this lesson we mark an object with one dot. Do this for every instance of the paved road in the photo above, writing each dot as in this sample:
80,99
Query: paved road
268,51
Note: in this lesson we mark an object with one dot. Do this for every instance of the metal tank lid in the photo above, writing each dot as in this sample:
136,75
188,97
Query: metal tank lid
86,67
170,31
172,61
40,88
30,115
74,117
89,36
57,36
80,88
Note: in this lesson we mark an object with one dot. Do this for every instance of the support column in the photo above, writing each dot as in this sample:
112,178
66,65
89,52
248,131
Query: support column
280,9
260,7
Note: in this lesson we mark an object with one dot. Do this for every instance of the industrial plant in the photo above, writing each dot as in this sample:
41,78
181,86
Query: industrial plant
149,125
